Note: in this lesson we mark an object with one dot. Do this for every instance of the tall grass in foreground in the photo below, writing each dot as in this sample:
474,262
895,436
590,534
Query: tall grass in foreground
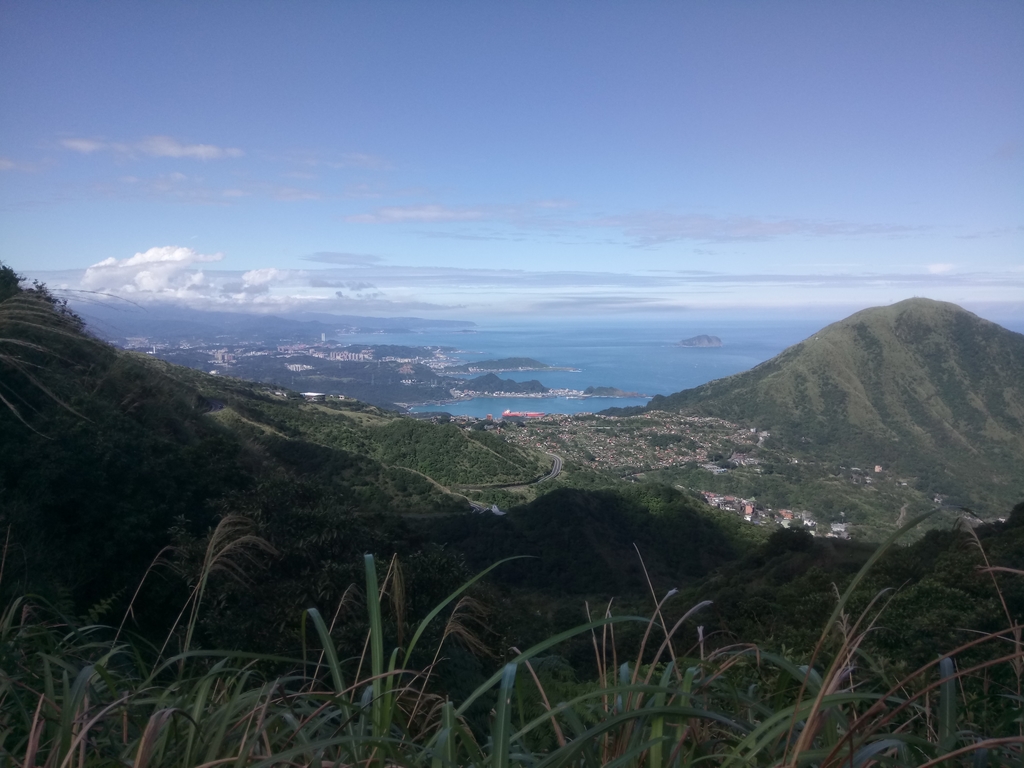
32,326
72,696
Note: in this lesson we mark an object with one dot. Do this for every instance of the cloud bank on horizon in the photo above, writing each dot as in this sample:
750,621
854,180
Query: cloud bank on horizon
536,161
365,284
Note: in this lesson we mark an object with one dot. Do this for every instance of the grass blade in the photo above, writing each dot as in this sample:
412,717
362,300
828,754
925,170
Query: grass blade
328,645
502,728
947,705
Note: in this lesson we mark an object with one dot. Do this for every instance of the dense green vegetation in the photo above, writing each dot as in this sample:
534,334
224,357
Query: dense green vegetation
131,454
490,382
103,452
831,493
663,699
379,382
706,454
779,594
926,389
220,530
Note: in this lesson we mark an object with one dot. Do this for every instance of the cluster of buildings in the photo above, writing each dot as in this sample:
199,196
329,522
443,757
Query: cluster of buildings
736,460
340,354
635,441
752,512
744,460
316,397
325,353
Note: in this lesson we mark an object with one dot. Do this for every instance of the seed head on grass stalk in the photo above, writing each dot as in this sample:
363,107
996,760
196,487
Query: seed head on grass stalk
231,549
803,740
26,316
1018,666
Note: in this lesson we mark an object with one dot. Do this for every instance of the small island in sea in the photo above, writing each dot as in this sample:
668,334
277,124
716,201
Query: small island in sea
609,392
701,341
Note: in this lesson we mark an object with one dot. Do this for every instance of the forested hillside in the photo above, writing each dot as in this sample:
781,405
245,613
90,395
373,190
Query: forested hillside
103,452
108,457
929,391
223,531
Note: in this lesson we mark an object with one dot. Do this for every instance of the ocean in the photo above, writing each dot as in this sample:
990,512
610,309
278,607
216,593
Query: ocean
632,356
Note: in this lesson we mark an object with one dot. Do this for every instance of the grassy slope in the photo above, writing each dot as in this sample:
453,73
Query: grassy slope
924,388
935,591
145,443
155,454
91,494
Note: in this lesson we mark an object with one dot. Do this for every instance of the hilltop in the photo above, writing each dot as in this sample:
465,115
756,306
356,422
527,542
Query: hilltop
490,382
926,390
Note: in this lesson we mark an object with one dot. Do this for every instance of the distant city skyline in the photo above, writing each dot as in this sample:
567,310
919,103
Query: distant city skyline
532,160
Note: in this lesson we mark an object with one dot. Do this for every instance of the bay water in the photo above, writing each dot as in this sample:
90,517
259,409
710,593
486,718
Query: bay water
642,357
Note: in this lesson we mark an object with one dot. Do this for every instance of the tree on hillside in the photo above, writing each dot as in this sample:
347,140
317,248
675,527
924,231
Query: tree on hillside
9,282
33,323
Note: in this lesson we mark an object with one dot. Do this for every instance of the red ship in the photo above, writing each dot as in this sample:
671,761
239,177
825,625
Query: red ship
522,414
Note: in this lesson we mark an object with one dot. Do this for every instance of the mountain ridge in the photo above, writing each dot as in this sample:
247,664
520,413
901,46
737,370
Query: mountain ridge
922,386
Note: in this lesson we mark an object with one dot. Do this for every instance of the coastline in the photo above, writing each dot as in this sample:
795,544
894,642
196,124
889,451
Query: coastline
571,394
567,394
480,407
473,371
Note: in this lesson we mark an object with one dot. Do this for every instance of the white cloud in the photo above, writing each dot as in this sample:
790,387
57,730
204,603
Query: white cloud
641,228
165,146
361,160
649,228
294,193
168,253
262,276
333,257
153,146
417,213
24,166
939,269
84,146
362,284
163,271
253,283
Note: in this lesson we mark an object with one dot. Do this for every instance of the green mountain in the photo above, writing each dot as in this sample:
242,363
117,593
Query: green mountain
105,454
109,458
490,382
111,461
927,390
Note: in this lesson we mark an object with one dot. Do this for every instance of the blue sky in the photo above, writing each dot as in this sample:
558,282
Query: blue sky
520,159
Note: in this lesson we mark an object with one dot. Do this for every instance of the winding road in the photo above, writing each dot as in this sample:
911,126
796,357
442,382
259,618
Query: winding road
556,468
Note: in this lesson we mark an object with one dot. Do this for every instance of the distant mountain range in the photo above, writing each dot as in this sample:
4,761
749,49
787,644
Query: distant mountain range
922,388
120,320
